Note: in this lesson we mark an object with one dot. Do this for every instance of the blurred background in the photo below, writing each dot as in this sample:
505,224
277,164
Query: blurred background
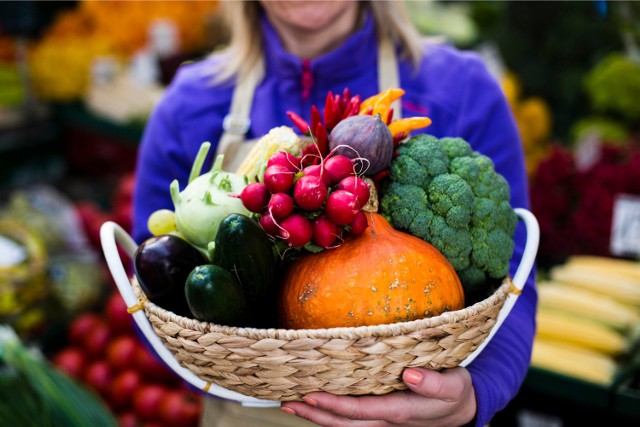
79,78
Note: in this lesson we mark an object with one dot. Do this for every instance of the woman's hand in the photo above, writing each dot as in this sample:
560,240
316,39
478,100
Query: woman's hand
434,399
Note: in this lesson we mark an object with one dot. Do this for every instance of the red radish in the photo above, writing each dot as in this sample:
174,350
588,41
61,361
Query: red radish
325,232
122,388
278,179
98,375
296,230
269,225
121,351
342,207
115,310
280,205
255,197
82,325
357,186
71,360
146,400
283,158
317,170
358,225
338,167
309,193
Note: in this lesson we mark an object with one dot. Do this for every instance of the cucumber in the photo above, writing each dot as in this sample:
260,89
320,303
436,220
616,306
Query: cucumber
243,248
214,295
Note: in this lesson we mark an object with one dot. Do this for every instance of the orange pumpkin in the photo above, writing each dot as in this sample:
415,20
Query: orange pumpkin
381,276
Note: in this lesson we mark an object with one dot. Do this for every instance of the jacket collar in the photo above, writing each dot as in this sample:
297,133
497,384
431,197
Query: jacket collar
357,55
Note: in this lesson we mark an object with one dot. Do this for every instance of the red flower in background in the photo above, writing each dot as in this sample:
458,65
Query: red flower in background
575,207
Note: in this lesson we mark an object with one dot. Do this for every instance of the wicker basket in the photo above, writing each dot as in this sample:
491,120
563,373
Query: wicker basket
258,365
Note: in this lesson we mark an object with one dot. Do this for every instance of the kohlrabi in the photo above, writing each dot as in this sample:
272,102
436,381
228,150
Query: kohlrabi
206,201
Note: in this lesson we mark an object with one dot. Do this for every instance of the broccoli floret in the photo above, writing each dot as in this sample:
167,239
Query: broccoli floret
451,197
425,150
456,147
404,203
442,191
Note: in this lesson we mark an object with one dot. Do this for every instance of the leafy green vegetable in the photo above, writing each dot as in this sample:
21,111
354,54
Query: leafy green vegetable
33,393
613,86
443,192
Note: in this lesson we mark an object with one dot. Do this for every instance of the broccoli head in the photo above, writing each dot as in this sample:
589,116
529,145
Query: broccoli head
442,191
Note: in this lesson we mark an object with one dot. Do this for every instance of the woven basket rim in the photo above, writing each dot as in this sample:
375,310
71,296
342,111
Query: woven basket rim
352,332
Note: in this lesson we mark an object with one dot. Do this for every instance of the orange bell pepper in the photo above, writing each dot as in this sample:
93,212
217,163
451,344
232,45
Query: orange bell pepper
408,124
383,98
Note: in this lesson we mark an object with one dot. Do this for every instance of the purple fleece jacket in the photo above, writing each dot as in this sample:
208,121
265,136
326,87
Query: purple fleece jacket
451,87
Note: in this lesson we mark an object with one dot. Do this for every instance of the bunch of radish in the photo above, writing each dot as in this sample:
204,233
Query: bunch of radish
312,206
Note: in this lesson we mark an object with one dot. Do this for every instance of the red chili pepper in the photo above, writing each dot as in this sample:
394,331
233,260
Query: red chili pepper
337,112
397,138
346,97
328,109
353,107
390,116
322,139
315,117
299,122
382,174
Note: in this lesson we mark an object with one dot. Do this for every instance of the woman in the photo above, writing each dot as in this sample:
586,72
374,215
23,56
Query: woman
286,56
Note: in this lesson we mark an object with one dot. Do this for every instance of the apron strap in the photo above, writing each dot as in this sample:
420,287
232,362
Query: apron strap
388,72
237,123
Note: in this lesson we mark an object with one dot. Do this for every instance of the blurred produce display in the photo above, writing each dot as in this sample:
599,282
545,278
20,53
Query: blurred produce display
34,393
61,60
613,89
571,74
574,205
551,46
103,352
48,269
534,121
589,319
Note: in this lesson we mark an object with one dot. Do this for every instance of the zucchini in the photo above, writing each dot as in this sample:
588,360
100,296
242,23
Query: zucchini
243,248
214,295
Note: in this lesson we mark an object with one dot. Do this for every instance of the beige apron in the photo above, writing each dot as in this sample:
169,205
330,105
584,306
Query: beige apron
223,413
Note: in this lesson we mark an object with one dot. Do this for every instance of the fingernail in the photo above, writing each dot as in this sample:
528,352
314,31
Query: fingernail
310,401
287,410
412,376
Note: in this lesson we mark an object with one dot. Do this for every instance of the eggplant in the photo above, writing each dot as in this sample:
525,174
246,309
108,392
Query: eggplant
162,265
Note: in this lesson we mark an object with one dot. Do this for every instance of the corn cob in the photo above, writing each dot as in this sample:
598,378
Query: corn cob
279,138
614,284
613,265
574,361
587,304
560,326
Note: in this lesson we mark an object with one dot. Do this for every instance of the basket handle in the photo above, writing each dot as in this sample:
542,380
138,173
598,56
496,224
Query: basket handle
112,236
519,279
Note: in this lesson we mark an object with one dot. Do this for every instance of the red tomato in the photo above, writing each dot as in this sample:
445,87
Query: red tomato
98,376
152,367
146,401
122,389
97,339
128,419
180,408
70,360
118,317
81,326
122,351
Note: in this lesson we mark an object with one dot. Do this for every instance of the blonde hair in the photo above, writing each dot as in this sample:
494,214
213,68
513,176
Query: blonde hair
245,44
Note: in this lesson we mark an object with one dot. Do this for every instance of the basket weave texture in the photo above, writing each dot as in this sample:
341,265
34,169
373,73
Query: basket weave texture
286,364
